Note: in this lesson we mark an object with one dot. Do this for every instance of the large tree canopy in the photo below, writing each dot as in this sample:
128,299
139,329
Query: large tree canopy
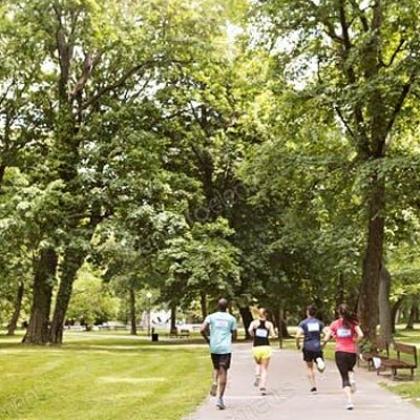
267,151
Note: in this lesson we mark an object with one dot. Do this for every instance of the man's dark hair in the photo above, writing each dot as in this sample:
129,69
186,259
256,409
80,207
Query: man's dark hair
222,304
311,310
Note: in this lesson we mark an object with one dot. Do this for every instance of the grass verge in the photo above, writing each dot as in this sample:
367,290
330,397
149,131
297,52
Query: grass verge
102,378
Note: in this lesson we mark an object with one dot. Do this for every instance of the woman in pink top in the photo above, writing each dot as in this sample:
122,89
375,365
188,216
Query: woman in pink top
347,333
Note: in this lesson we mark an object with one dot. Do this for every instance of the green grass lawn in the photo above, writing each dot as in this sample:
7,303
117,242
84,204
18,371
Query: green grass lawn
100,377
116,376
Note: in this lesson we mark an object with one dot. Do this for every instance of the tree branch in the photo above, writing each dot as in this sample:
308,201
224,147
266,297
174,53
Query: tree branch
65,53
344,121
394,54
88,66
344,27
329,27
400,101
361,14
351,76
120,82
6,92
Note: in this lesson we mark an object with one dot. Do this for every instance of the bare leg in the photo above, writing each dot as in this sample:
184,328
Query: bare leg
311,373
215,375
222,375
213,389
352,382
257,372
257,368
347,391
264,372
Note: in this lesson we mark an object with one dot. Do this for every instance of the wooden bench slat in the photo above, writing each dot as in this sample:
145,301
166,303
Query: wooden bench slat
406,348
400,364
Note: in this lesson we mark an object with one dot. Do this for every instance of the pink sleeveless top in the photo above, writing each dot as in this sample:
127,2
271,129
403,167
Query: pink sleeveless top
345,338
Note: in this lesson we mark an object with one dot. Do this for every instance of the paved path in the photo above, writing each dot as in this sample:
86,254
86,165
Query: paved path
289,396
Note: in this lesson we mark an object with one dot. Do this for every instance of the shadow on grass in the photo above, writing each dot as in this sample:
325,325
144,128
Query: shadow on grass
103,344
106,345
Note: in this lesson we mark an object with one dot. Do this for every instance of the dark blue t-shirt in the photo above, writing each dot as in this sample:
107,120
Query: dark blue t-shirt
312,329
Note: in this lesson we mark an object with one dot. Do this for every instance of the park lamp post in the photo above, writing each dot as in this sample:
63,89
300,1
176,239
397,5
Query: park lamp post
149,298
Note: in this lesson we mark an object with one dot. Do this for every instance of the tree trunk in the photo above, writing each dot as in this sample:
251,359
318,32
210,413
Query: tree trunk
369,291
246,319
385,311
16,313
203,304
416,315
410,322
73,260
283,328
37,332
280,323
173,329
2,172
339,296
133,318
394,312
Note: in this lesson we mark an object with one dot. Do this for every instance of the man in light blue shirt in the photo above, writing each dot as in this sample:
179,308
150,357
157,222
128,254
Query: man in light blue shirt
222,328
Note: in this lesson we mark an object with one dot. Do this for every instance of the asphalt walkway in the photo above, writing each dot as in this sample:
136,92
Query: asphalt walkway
289,397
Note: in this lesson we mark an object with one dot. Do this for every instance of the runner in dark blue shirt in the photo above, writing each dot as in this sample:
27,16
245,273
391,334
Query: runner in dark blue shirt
310,330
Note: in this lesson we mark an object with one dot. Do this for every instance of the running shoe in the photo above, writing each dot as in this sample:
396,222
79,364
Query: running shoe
220,404
320,364
257,381
213,390
350,406
314,390
263,391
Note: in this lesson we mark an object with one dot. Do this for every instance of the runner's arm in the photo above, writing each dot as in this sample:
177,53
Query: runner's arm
299,336
234,335
272,332
204,330
359,333
234,330
327,337
251,329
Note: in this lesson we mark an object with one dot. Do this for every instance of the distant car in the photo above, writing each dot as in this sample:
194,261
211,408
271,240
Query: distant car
113,325
188,328
76,328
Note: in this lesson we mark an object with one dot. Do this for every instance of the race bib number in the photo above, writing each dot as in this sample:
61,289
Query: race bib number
221,323
344,333
313,327
261,333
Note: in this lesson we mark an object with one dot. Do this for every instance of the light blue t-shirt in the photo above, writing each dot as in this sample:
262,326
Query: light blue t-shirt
221,325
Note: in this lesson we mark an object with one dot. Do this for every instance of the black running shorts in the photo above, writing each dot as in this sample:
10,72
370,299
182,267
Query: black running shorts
221,360
311,356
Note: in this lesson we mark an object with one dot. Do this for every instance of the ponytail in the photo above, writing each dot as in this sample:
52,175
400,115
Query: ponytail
349,317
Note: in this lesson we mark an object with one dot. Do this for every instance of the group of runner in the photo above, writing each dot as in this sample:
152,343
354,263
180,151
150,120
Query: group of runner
219,329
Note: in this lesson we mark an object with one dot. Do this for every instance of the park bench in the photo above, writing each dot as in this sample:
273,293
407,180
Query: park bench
120,327
398,363
381,350
180,334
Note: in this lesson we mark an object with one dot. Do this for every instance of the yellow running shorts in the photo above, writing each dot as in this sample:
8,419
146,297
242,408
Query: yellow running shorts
262,352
